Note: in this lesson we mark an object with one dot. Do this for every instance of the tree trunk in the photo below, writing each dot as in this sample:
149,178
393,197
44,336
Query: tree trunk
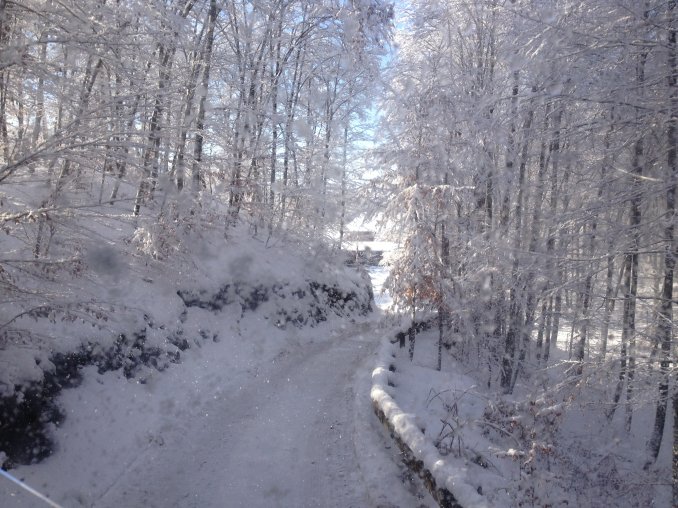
178,164
514,304
523,314
554,274
276,70
3,116
665,327
631,281
290,108
152,150
40,99
675,446
540,331
413,328
4,84
206,61
445,263
543,334
588,284
344,178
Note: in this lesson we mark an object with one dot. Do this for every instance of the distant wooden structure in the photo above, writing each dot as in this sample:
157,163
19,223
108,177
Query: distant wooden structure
359,236
361,247
367,256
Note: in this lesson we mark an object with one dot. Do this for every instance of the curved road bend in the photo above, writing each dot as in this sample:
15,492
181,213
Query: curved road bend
284,440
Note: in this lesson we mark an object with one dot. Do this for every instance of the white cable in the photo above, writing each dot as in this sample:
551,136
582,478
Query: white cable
29,489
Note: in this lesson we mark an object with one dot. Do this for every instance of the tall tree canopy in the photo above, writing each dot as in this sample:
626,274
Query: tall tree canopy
167,117
530,150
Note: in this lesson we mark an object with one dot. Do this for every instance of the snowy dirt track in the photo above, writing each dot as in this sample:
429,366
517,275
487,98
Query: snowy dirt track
293,436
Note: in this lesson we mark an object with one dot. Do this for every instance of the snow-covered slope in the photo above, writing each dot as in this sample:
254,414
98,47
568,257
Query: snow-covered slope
492,450
266,415
137,316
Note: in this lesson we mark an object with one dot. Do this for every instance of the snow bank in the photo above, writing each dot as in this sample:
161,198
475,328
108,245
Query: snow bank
449,483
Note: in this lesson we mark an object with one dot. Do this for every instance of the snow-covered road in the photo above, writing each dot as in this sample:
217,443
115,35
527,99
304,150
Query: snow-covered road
262,417
295,436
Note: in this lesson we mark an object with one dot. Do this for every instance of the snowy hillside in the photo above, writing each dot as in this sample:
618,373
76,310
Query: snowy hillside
149,313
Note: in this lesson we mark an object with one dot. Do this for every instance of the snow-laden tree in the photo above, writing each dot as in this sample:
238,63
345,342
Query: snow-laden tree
141,124
553,125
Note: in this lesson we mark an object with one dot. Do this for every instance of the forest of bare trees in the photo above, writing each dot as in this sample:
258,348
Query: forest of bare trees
244,101
531,149
143,121
527,153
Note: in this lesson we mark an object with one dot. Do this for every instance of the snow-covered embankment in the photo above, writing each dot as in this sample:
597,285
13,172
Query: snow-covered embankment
446,482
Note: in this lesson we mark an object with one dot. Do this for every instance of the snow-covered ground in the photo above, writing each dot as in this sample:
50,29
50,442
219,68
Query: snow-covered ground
477,444
263,417
423,406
